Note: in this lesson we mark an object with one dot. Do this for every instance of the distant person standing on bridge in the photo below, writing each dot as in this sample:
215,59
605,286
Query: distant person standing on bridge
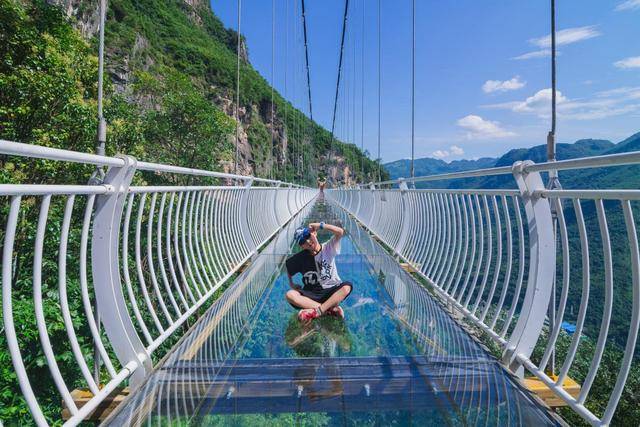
323,289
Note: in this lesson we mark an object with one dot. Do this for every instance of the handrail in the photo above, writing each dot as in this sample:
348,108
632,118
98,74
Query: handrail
150,257
609,160
48,153
474,247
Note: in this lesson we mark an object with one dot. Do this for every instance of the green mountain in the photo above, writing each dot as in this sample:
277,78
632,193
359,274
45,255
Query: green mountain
170,93
581,148
620,177
617,177
430,166
630,144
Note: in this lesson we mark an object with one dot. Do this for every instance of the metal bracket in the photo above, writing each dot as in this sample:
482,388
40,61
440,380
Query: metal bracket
405,217
244,201
106,263
275,203
542,264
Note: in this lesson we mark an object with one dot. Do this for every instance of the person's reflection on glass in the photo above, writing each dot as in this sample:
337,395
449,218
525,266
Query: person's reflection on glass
328,337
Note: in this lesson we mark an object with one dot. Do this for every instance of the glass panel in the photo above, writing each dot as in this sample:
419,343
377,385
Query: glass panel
397,357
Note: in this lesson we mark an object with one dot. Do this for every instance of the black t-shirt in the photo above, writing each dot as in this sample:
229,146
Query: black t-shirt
304,263
318,271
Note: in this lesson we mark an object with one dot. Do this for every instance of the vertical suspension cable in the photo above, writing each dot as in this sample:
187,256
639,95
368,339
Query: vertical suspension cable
353,89
301,67
102,125
364,3
553,183
286,90
301,91
379,92
100,150
335,104
413,84
294,131
551,137
273,55
235,169
306,53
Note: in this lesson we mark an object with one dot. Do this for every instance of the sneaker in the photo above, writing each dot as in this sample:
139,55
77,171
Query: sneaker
336,311
308,314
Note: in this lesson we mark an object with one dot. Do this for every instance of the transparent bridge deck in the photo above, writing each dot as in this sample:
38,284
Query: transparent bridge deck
397,358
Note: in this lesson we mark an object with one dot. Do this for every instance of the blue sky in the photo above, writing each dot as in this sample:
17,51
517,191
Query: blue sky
482,70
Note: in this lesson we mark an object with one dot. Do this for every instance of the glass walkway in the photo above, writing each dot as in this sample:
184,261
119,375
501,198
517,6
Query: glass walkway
397,358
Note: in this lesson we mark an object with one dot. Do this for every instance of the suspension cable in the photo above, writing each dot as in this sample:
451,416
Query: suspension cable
554,182
354,88
286,90
335,104
235,170
306,53
413,84
364,3
99,173
102,124
551,137
294,129
379,93
273,54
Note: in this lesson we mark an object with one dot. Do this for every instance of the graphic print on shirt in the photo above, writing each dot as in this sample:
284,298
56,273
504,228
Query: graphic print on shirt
325,270
310,278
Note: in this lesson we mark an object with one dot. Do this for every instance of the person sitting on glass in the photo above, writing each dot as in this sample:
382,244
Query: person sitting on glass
323,289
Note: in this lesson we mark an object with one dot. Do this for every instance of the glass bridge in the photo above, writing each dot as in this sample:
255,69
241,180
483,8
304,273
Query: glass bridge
398,358
156,297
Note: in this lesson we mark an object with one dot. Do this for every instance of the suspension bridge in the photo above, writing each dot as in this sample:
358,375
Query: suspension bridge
456,318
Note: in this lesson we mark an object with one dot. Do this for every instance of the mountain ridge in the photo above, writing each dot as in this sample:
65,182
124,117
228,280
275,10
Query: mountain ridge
564,151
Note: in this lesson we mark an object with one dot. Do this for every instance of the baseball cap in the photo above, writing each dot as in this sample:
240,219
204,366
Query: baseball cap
301,235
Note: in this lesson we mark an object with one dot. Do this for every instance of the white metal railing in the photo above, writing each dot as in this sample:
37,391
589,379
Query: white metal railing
148,258
497,256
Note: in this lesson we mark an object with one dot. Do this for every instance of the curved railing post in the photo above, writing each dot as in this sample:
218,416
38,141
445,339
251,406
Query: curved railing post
372,187
275,203
244,204
405,217
542,264
358,192
289,210
105,263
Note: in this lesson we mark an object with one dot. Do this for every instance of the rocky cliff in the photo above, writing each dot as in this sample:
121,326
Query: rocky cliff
154,38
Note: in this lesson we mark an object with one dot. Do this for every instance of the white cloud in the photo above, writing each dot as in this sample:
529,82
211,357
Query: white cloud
568,36
628,92
535,54
563,38
503,86
479,128
601,113
628,5
541,100
614,102
631,62
456,151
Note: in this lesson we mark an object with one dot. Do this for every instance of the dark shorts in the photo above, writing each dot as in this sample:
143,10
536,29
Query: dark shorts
321,295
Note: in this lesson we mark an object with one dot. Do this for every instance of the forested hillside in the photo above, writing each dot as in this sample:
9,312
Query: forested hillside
171,69
621,177
169,91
